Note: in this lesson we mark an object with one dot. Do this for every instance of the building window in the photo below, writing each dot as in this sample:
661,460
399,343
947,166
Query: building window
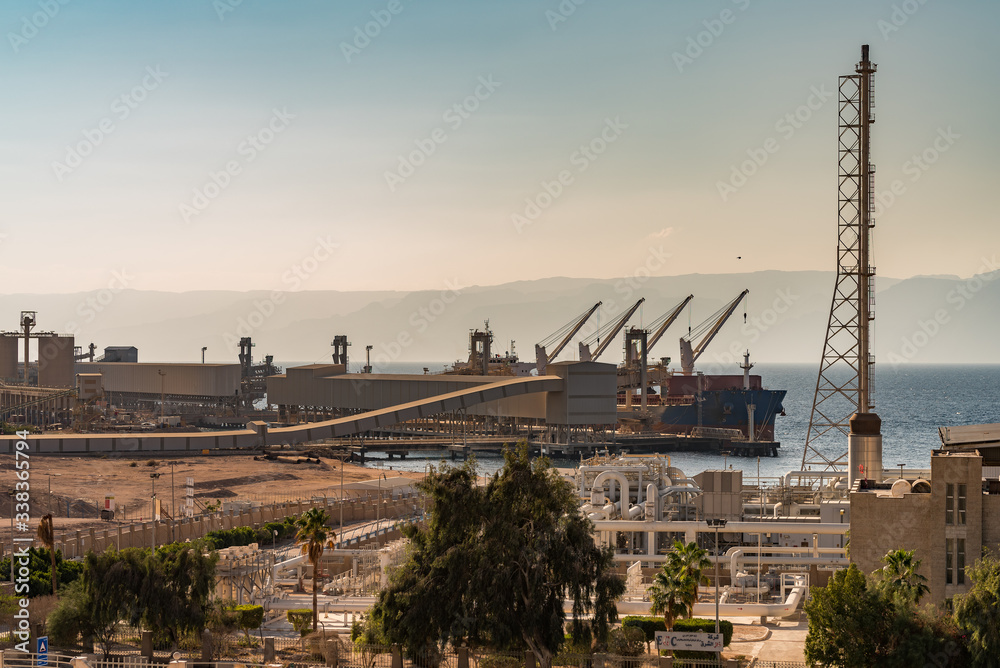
949,506
961,504
960,562
949,546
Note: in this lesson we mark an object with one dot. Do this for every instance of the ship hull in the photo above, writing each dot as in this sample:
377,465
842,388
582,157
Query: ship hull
725,409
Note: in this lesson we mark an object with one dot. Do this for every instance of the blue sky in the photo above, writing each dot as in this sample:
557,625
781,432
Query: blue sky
265,145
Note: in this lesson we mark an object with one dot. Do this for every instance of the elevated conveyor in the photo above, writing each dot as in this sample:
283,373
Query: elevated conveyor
260,435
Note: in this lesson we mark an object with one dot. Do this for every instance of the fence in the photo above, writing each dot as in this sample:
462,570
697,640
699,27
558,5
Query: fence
145,534
319,650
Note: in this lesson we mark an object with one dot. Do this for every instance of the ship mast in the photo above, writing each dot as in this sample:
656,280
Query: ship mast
844,384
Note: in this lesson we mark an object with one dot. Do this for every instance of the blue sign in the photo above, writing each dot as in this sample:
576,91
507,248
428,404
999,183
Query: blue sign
42,650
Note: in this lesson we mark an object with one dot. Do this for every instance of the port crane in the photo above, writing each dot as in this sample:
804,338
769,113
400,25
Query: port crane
660,326
609,336
710,328
567,332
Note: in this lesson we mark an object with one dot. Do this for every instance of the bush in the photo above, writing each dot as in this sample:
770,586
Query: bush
151,462
249,617
648,625
301,620
500,661
626,641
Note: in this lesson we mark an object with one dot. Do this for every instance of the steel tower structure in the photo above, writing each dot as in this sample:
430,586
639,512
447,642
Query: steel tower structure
844,384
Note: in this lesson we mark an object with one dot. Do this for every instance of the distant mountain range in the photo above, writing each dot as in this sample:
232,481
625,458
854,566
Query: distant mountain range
925,319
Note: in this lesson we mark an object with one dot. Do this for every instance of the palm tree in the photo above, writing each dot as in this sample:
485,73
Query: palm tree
668,594
693,560
314,539
900,574
47,536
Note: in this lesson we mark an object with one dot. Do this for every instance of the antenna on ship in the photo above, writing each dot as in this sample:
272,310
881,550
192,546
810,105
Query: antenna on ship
843,394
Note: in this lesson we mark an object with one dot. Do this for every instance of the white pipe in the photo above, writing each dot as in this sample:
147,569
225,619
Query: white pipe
634,512
294,561
811,474
616,476
735,555
828,528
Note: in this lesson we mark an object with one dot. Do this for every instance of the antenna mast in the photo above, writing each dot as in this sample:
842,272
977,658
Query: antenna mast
844,385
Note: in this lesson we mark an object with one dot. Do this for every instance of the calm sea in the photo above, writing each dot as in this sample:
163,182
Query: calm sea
912,400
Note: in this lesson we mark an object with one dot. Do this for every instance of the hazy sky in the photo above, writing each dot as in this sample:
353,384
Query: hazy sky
196,144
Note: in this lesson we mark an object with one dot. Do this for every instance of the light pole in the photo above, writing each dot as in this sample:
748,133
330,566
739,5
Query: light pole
274,542
152,507
203,349
341,499
842,521
11,493
162,392
718,524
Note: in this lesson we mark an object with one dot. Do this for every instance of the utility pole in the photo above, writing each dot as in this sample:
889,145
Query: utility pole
162,392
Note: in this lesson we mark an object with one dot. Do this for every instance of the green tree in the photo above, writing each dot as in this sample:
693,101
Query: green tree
669,594
495,563
899,575
855,622
978,611
314,539
249,617
177,586
691,560
111,583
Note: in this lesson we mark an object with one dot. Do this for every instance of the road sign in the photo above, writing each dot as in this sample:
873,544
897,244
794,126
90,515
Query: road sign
42,650
703,642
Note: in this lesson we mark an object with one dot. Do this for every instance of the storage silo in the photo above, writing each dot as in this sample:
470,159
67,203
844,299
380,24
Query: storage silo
55,362
8,358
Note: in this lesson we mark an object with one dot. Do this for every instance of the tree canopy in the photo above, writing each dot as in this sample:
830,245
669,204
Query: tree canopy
496,562
978,611
859,622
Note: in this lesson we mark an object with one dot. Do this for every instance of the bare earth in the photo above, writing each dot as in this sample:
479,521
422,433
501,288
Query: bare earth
83,482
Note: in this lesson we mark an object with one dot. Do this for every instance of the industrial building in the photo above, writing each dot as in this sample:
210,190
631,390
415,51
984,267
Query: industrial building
947,518
183,387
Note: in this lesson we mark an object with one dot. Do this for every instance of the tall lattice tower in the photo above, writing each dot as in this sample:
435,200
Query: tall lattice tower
844,385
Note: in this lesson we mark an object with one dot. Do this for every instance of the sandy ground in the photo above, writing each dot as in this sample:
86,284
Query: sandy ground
83,482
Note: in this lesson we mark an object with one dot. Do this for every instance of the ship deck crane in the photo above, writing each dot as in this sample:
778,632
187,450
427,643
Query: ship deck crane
609,336
710,327
567,332
659,327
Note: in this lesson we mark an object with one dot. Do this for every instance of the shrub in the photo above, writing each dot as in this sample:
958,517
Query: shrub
301,620
648,625
249,617
151,462
626,641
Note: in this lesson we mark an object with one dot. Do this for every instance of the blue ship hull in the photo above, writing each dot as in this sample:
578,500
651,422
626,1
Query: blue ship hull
727,409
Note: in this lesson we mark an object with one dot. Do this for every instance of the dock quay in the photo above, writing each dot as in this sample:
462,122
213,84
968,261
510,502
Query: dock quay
359,448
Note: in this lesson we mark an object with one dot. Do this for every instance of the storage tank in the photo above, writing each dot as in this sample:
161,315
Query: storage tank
864,448
8,358
55,362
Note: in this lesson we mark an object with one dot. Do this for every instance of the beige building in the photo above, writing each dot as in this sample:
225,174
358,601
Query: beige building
947,520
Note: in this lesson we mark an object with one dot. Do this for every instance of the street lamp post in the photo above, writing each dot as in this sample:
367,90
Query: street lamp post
152,508
717,524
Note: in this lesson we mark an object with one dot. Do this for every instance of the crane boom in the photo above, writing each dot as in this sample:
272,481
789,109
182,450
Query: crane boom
543,359
713,325
587,356
669,320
